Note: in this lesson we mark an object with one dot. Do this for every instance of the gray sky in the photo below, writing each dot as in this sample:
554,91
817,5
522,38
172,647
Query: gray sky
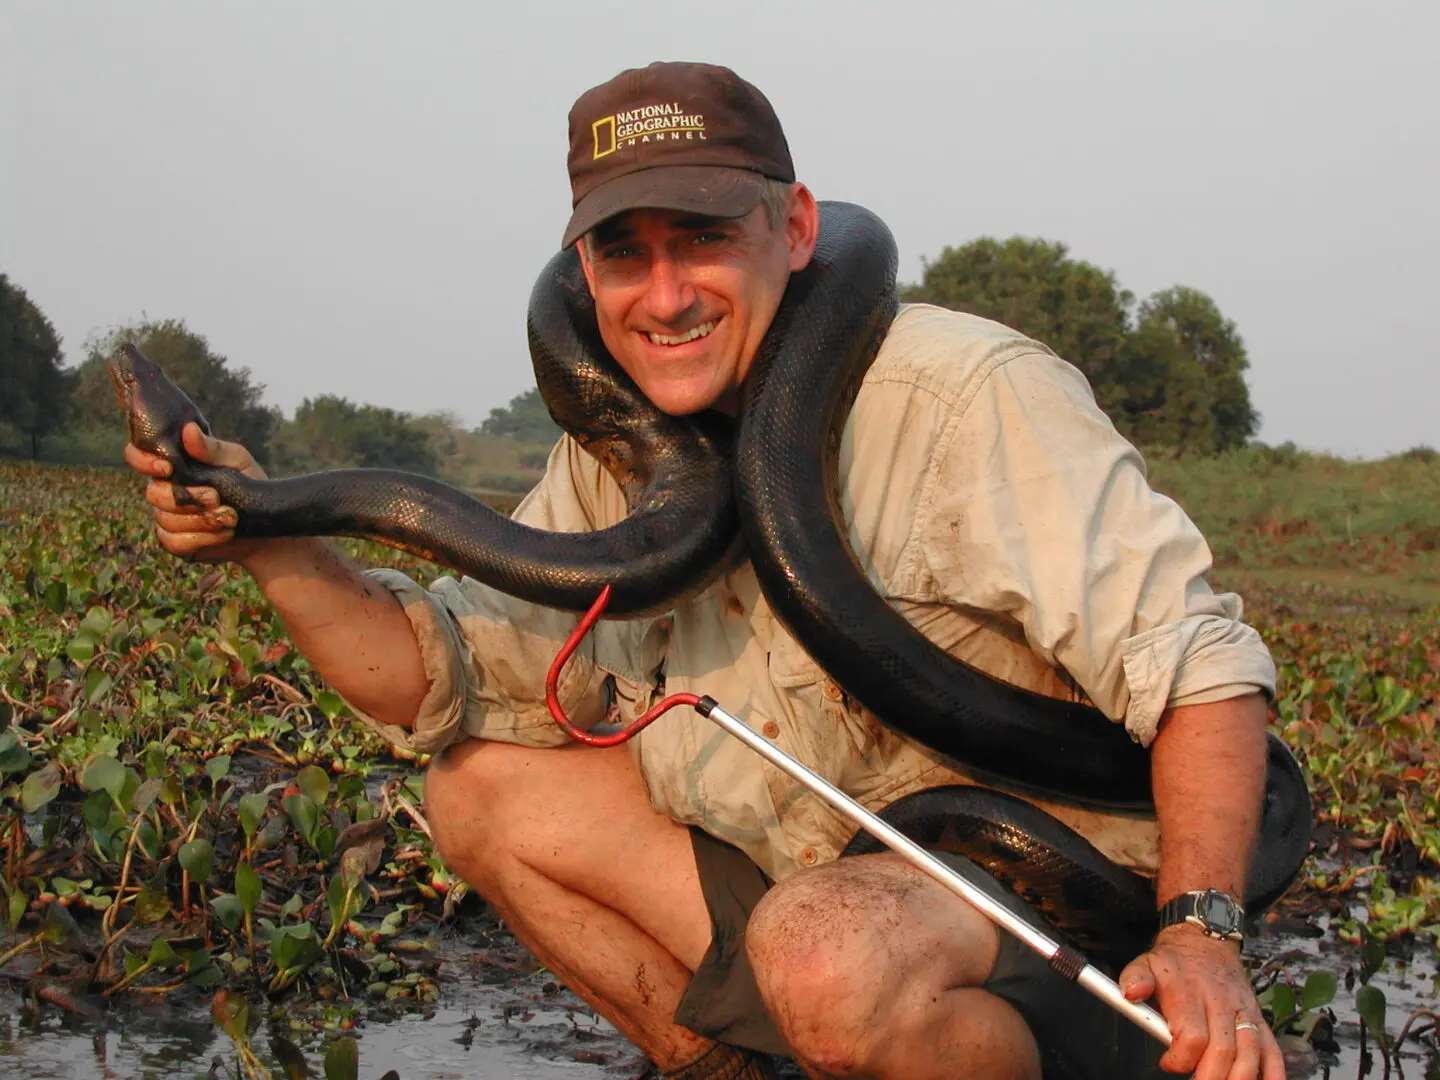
355,197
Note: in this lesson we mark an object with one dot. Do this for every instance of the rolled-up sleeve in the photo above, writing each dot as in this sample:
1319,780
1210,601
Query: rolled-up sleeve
486,654
1042,511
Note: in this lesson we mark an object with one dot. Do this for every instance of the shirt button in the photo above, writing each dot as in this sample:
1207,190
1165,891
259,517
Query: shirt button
771,729
808,856
832,691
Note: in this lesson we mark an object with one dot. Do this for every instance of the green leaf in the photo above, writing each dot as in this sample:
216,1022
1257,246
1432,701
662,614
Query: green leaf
197,859
247,887
251,810
149,840
104,773
1282,1003
146,794
1320,987
13,755
54,596
294,947
96,809
1370,1004
337,896
17,907
290,1058
314,782
96,622
330,704
80,649
228,909
58,927
342,1059
217,767
97,684
151,905
232,1013
155,761
39,788
162,955
303,813
1372,954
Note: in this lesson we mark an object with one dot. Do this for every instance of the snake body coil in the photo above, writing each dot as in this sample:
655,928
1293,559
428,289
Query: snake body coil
688,502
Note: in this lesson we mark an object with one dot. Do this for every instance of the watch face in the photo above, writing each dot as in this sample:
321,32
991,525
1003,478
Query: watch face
1218,912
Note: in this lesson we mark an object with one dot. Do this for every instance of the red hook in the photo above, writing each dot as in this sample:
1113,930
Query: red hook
552,687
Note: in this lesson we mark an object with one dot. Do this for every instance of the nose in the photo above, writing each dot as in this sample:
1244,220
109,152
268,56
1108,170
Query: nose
669,293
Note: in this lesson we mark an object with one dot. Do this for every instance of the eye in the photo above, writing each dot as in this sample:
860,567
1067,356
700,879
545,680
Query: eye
619,251
710,236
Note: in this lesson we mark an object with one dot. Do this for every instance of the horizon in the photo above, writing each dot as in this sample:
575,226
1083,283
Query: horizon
353,199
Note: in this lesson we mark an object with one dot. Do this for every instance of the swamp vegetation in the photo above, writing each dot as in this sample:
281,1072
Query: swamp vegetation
190,820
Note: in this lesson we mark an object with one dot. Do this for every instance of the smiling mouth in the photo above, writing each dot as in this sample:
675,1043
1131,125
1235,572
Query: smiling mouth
703,330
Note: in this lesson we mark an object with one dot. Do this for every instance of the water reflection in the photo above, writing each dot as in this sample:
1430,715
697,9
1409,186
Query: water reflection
493,1023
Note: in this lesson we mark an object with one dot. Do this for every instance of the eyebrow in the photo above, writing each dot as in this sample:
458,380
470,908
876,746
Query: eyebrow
617,229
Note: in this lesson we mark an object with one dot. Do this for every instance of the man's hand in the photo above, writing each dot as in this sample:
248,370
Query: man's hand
1200,987
202,531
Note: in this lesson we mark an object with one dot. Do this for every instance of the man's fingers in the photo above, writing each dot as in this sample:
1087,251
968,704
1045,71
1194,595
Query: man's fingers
191,546
169,497
1137,981
1218,1058
148,464
209,523
1248,1045
1272,1057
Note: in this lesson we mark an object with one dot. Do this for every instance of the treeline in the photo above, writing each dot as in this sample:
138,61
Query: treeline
71,414
1170,372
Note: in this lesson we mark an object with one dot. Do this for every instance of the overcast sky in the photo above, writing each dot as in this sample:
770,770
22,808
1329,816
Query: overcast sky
355,197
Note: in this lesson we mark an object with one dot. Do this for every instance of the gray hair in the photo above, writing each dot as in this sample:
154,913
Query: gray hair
776,200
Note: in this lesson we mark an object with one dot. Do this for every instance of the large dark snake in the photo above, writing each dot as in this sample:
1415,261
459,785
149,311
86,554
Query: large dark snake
688,500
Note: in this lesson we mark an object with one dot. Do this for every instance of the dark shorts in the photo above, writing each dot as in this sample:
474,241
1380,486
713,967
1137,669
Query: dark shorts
1080,1037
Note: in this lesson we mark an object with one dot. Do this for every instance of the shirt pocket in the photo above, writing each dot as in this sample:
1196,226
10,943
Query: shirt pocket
823,726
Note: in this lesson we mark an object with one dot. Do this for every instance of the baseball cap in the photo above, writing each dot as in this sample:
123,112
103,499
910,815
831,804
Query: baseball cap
672,136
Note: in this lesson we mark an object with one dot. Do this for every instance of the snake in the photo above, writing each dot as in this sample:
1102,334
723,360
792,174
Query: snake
700,492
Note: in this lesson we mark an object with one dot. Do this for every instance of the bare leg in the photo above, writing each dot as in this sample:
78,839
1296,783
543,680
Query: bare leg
599,887
872,969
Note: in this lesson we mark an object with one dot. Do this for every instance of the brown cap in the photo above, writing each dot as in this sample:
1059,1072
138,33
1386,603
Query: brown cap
673,136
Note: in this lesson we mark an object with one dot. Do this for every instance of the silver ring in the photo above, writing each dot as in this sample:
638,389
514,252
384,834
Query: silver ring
1246,1025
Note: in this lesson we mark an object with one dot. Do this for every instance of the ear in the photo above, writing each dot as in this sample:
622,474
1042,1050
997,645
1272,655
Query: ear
802,227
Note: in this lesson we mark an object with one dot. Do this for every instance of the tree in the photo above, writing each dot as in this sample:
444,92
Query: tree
330,432
227,396
525,419
1163,398
34,387
1034,286
1212,345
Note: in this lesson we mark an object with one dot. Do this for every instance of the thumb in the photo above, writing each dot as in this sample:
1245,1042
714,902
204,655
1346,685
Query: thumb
1137,981
213,451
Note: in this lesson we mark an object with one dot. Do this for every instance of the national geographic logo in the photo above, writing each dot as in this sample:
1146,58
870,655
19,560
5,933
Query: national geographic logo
648,123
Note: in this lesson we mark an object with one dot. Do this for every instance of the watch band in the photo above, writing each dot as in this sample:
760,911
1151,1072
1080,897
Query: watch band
1215,913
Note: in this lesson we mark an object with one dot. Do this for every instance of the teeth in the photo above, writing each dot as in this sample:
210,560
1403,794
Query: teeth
690,335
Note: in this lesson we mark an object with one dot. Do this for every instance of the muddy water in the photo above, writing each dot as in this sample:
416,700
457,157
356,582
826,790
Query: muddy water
501,1017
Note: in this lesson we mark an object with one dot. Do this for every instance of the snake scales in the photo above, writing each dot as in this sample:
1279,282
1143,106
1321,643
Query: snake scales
691,495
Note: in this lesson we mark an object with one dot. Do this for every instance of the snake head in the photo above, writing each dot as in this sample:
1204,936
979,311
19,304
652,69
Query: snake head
156,409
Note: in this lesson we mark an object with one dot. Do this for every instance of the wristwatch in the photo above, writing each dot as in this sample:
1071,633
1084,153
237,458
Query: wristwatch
1216,913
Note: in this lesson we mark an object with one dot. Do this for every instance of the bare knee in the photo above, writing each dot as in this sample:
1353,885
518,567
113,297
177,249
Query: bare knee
845,957
476,802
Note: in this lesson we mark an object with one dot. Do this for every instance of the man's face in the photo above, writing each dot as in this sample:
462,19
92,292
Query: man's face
684,301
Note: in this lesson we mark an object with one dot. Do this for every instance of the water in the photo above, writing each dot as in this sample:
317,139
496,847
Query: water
499,1017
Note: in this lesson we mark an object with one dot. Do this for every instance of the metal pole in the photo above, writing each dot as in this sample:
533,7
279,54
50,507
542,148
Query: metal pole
1090,977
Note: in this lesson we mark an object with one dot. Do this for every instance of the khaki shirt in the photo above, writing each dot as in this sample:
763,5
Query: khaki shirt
989,499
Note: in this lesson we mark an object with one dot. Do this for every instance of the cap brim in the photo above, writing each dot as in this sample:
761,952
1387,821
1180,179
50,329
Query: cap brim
714,190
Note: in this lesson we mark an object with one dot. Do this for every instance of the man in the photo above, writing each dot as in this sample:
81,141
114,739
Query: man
999,510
